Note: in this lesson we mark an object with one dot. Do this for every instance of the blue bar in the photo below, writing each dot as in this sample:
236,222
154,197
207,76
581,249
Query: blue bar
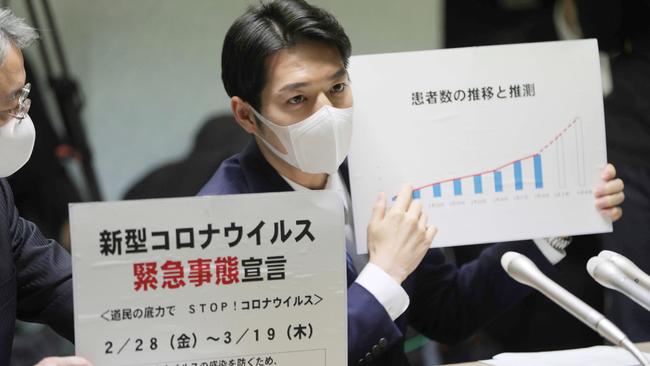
539,180
458,188
416,195
519,183
478,184
498,181
436,190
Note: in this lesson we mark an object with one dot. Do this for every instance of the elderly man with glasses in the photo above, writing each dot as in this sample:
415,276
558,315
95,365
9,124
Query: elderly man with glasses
35,273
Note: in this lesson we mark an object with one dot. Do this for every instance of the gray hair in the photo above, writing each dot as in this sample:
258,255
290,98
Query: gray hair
14,31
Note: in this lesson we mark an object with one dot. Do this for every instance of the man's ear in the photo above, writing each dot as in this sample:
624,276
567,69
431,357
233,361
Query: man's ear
243,115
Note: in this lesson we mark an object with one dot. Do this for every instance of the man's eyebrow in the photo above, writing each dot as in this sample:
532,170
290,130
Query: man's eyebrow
292,86
342,72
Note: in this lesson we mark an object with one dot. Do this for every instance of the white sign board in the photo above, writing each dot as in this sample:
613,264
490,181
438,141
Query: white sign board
501,142
254,279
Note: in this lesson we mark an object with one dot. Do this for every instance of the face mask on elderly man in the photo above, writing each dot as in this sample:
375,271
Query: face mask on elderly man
17,138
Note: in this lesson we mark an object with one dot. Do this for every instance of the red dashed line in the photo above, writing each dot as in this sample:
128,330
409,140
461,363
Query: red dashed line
575,120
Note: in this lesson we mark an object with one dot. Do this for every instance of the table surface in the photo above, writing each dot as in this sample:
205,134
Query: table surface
645,347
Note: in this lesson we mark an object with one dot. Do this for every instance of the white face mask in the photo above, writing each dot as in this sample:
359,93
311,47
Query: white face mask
318,144
16,143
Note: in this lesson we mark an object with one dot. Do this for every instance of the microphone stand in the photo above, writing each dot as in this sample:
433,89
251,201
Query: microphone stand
528,274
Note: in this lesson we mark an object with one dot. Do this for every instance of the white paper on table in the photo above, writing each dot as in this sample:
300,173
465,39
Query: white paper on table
592,356
515,164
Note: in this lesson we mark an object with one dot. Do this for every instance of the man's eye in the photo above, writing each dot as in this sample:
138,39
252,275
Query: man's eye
297,99
338,88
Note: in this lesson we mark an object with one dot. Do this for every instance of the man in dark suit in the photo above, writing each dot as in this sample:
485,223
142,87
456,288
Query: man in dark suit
284,67
35,273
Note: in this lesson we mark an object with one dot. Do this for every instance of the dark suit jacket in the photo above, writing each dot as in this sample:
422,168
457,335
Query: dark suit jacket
35,277
447,303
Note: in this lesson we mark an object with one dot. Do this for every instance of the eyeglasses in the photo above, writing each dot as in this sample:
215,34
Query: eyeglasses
23,103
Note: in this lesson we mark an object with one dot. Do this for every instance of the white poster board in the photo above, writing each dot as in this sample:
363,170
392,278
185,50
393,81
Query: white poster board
501,142
254,279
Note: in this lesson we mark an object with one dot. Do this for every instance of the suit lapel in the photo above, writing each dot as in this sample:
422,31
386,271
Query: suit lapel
261,178
259,174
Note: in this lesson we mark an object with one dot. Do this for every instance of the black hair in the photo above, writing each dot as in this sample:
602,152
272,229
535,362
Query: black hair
266,29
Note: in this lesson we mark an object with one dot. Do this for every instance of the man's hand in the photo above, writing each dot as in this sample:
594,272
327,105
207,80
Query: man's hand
399,238
610,195
64,361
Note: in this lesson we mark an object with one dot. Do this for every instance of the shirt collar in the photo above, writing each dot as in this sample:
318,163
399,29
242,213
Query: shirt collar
333,183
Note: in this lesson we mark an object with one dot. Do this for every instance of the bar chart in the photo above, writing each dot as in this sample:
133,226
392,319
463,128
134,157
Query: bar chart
472,184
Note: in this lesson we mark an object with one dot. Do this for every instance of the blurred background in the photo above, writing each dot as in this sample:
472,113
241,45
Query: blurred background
150,69
128,103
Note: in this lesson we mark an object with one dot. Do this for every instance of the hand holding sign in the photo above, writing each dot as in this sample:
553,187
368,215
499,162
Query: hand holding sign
399,238
610,195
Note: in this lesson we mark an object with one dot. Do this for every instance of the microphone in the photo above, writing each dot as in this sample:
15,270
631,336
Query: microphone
523,270
611,276
627,267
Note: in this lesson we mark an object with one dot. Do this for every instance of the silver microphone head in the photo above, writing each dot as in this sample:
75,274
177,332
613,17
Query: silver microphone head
609,275
521,269
628,267
605,272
